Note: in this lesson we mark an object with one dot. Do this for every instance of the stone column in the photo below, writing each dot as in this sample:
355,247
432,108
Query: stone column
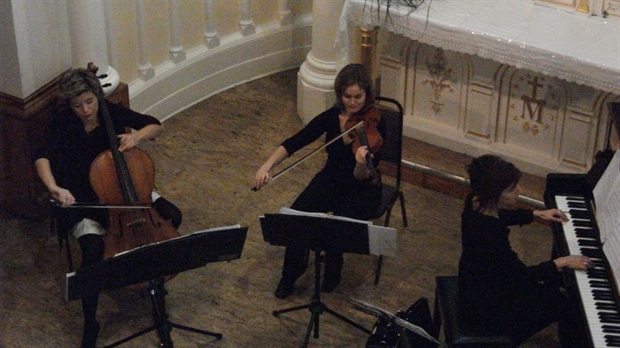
315,83
88,39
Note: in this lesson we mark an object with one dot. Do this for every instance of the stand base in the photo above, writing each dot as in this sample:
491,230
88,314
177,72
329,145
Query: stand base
166,342
317,307
162,325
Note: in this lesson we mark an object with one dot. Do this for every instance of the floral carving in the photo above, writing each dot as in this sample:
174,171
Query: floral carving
440,78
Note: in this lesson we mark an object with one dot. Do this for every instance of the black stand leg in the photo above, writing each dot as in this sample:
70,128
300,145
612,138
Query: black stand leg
160,319
317,307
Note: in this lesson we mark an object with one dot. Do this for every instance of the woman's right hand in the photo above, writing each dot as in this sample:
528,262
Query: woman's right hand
62,196
262,178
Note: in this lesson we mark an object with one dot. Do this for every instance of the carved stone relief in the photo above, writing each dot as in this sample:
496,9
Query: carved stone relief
475,105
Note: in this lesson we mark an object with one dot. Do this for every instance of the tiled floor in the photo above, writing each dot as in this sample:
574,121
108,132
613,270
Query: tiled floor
205,163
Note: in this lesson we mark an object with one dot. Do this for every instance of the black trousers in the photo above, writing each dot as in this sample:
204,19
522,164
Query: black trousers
353,199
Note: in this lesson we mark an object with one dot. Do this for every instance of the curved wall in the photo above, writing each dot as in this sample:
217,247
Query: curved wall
206,72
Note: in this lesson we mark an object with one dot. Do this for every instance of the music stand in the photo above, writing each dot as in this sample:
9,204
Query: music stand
151,264
318,233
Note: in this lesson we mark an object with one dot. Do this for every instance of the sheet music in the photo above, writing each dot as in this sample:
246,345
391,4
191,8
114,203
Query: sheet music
607,200
290,211
381,240
378,312
222,228
214,229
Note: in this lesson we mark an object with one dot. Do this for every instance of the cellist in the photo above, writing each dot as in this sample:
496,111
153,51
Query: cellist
75,138
345,186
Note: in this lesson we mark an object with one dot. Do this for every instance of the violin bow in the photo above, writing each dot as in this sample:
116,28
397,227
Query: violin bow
298,162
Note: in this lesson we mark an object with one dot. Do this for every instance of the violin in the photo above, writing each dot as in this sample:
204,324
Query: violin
368,136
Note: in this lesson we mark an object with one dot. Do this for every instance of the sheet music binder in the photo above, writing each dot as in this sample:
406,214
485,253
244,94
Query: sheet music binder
154,260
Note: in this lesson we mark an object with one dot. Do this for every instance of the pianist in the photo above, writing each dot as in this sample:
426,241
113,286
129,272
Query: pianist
497,291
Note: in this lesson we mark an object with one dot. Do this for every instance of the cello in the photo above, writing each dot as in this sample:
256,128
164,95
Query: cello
127,179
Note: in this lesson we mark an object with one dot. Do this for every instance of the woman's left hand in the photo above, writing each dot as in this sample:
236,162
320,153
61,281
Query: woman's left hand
128,141
360,154
551,215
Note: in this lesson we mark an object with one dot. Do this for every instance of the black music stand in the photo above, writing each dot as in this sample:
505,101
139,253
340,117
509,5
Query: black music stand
151,264
319,234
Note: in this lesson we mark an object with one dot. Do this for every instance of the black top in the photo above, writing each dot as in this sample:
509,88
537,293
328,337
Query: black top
341,161
492,278
71,150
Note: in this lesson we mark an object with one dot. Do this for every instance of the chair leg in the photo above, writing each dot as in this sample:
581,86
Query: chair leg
436,317
378,270
401,197
388,214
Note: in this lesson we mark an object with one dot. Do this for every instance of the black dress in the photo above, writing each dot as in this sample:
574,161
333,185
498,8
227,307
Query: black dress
497,291
333,189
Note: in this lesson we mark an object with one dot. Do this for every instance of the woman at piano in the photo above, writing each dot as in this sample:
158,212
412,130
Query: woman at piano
497,290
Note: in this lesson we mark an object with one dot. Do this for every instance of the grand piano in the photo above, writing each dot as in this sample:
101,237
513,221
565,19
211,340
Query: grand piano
590,200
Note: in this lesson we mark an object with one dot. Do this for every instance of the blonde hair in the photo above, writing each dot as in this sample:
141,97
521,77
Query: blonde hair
77,81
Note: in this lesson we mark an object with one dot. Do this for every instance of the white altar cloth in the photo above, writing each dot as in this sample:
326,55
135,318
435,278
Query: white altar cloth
570,46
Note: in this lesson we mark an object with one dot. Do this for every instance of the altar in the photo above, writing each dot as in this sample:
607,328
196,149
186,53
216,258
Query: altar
524,81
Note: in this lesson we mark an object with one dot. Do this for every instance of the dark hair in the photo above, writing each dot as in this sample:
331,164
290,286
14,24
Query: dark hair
77,81
354,74
489,176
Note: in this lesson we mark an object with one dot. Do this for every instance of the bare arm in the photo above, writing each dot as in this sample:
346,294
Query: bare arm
127,141
262,175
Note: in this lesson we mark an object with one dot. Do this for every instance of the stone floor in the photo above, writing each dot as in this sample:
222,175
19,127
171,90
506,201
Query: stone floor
206,160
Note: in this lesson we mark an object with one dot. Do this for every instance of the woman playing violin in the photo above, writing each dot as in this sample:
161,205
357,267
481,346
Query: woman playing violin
346,186
75,138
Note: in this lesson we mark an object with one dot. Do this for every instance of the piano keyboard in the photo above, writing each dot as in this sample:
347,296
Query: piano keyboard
597,293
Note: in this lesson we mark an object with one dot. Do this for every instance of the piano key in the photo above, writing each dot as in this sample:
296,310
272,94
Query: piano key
581,223
579,213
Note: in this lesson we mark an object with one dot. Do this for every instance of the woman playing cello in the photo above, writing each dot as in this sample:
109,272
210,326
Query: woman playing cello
76,137
345,186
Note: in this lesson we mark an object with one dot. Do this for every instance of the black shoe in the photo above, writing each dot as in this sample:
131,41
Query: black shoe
284,289
329,284
91,331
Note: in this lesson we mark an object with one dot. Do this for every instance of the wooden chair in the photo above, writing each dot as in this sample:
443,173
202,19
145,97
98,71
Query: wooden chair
391,152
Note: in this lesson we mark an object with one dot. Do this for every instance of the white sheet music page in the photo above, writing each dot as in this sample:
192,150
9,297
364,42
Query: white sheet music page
607,201
381,240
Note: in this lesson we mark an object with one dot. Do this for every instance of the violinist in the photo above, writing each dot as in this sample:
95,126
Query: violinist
347,185
75,138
